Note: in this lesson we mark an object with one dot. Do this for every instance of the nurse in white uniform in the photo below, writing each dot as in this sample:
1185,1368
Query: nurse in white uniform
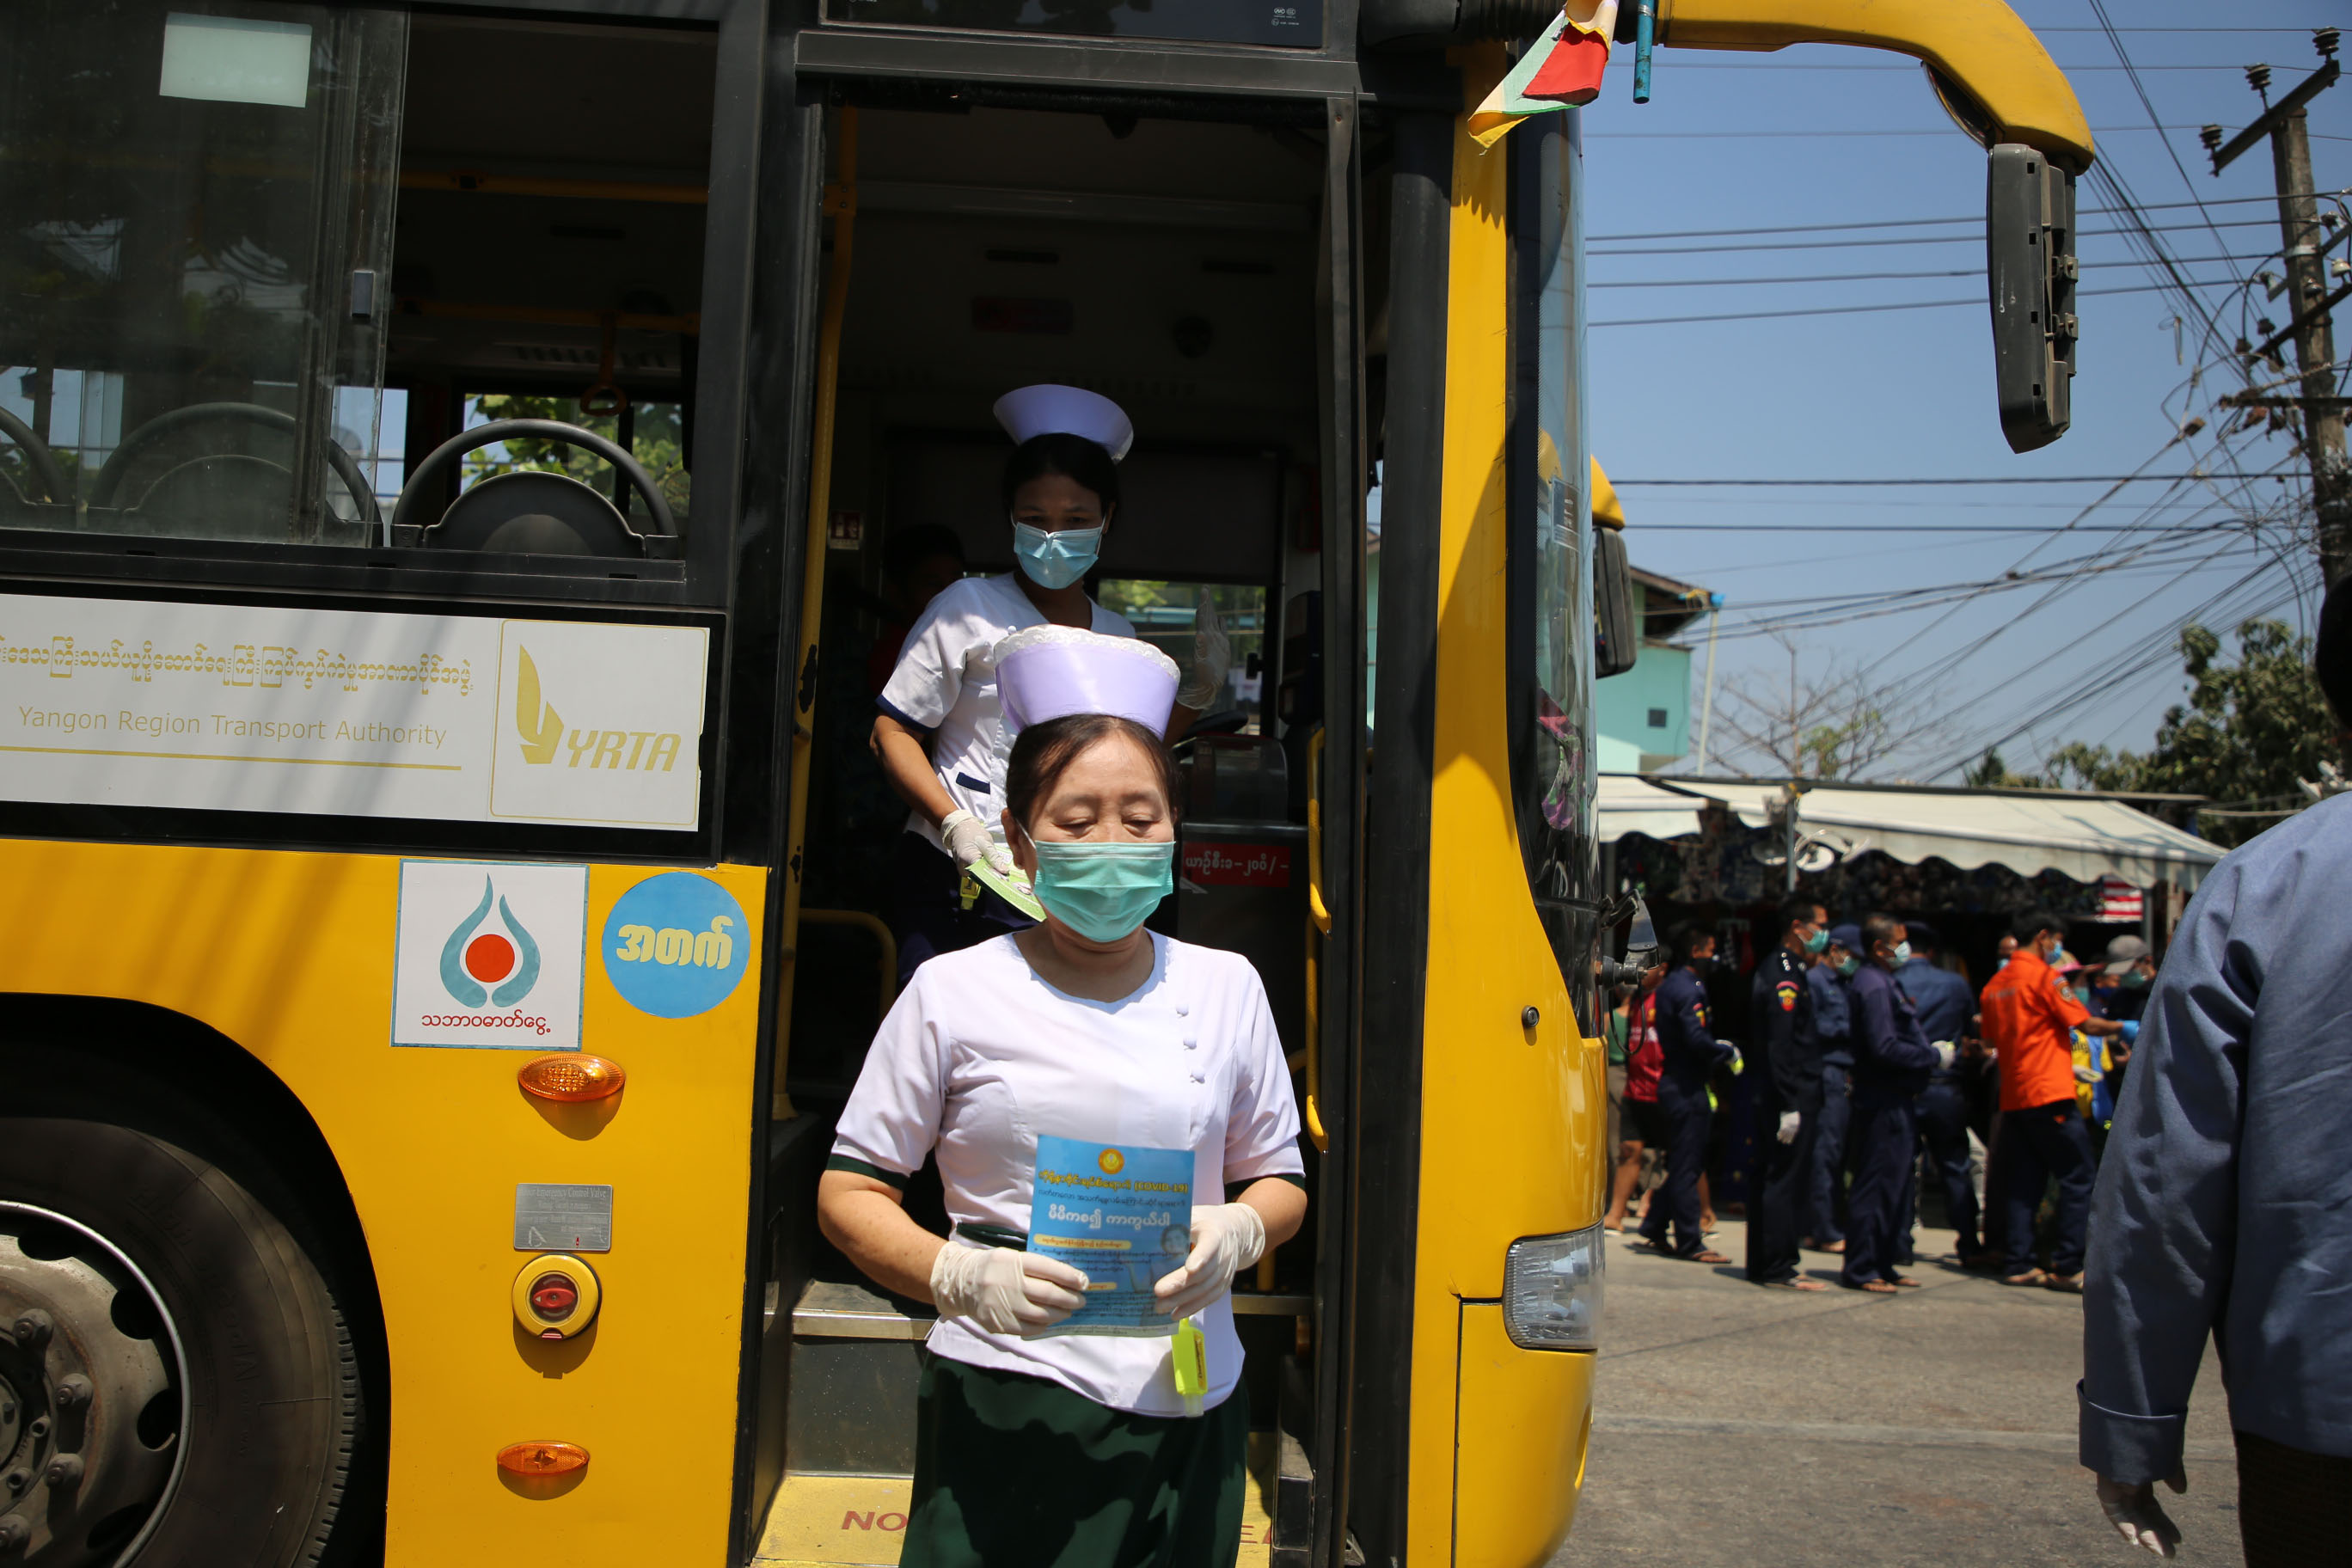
939,734
1074,1449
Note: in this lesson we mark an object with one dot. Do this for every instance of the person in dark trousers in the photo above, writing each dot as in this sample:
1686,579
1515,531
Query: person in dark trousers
2029,1013
1945,1005
2224,1208
1892,1060
1689,1052
1787,1095
1829,981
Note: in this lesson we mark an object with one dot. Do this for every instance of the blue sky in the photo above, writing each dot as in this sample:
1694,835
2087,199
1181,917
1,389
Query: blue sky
1909,393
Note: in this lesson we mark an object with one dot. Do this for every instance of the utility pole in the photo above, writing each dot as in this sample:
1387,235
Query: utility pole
2308,295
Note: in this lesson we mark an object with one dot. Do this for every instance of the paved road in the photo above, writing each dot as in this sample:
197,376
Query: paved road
1753,1428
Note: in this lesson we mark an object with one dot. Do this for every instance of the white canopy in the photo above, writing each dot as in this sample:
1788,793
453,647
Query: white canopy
2081,836
1628,804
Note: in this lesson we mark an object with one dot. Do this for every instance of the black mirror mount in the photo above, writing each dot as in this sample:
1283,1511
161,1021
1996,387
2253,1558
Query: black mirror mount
2029,270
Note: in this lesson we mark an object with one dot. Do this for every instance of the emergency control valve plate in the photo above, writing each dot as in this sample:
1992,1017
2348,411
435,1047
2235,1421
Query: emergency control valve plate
556,1297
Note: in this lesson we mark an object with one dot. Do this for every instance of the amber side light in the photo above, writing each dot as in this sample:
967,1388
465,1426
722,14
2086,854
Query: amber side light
543,1458
572,1076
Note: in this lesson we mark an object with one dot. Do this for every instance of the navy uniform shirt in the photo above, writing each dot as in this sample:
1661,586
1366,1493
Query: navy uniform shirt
1891,1053
1943,1000
2224,1200
1788,1050
1685,1038
1833,1014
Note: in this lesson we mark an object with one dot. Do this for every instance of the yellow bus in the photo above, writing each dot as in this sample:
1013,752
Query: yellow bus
450,460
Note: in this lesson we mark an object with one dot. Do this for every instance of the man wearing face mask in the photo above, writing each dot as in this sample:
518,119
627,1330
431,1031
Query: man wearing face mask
1787,1094
1945,1005
941,734
2028,1012
1689,1051
1892,1060
1829,982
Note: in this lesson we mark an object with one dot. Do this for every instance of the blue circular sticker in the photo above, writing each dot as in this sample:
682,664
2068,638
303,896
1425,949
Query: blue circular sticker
675,945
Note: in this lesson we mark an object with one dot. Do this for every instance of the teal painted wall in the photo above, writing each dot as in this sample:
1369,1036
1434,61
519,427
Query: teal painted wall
1660,678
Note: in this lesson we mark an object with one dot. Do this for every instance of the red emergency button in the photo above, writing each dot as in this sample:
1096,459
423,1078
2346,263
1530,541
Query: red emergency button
552,1297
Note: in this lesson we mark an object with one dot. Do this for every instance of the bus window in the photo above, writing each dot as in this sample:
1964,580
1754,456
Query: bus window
1162,613
199,230
1550,587
547,266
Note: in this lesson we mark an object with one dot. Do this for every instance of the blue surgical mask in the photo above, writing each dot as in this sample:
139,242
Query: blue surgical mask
1059,557
1103,890
1848,965
1818,940
1902,952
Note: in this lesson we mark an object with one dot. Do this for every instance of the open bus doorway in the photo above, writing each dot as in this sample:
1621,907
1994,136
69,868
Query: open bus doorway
1169,265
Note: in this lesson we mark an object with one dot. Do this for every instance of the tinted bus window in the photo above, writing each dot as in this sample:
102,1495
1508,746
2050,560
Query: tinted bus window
195,258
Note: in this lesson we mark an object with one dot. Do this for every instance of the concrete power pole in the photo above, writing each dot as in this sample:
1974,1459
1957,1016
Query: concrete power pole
2307,296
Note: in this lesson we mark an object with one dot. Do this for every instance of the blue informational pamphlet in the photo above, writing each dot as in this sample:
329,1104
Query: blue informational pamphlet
1121,1215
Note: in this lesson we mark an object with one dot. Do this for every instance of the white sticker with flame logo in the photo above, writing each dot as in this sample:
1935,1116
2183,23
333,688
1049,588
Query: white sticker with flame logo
599,728
489,954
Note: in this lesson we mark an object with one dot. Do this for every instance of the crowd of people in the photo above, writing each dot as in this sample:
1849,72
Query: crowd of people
1872,1063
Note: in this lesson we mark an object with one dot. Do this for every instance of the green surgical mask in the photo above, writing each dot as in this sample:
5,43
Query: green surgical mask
1848,965
1819,940
1103,891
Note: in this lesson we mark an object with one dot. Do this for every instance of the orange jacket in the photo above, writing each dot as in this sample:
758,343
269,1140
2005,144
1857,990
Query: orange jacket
2028,1016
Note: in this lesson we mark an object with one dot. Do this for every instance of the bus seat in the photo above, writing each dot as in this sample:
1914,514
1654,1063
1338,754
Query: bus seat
40,480
214,494
532,512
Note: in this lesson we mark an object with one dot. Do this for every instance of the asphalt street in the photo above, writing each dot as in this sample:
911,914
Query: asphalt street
1737,1425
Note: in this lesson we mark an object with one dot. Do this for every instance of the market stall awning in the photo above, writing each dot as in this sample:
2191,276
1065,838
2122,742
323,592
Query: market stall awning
2081,836
1631,805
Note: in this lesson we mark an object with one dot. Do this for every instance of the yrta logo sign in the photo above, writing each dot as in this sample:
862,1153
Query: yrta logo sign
543,732
600,724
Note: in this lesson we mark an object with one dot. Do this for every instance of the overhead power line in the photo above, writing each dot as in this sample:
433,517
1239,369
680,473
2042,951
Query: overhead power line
1953,479
2165,287
1876,276
2270,201
1972,237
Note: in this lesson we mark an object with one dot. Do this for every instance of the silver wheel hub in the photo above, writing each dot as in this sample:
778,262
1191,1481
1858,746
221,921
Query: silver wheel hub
89,1416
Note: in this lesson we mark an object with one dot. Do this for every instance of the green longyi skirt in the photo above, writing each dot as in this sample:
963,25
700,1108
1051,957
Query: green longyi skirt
1013,1471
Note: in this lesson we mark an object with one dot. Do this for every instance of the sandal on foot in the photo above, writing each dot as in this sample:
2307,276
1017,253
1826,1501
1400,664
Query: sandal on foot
1875,1287
1793,1282
2065,1283
1708,1256
1903,1282
2030,1277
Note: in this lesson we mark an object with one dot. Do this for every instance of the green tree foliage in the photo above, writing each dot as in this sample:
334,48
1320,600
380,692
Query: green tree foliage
657,442
2248,733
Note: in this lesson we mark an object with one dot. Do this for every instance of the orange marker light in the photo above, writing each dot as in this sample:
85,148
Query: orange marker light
543,1458
572,1076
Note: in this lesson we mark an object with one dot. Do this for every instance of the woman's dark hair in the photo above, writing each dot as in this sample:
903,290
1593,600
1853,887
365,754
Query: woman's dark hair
1044,753
1072,458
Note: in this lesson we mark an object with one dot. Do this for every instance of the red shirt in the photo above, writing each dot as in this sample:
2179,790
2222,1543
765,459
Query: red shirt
1643,1055
2027,1014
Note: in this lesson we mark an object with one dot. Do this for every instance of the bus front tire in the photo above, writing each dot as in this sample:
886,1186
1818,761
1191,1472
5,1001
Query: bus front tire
269,1388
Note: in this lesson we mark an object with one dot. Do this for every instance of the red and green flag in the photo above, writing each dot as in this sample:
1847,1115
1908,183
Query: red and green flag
1562,66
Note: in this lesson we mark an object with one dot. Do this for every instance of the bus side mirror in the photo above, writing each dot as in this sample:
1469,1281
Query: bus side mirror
2030,267
1616,640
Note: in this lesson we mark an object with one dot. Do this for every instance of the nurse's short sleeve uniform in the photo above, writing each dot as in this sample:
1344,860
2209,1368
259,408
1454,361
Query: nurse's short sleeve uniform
945,686
981,1058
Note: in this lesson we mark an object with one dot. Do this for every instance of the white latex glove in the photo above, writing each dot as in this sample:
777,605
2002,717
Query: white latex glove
1789,1120
1213,656
1002,1290
1227,1239
966,839
2086,1074
2138,1518
1946,1054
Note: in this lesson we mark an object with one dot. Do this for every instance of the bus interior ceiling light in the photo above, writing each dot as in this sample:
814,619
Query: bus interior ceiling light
543,1458
571,1076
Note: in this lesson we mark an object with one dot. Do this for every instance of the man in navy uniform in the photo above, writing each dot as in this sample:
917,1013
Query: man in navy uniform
1686,1042
1834,1025
1945,1005
1892,1060
1787,1095
2224,1205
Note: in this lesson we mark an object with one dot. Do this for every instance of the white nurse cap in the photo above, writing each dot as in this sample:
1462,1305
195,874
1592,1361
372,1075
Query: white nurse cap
1047,409
1051,672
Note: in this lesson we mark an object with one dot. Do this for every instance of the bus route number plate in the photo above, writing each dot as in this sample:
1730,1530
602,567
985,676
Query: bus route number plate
551,1217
